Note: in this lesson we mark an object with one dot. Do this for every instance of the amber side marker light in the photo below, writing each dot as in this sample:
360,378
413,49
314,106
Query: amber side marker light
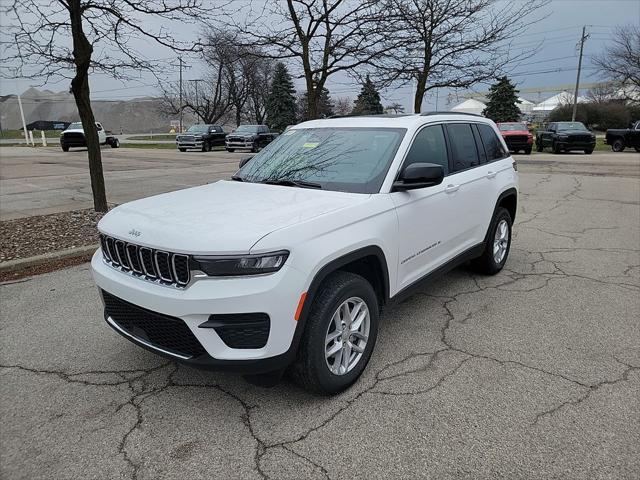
303,297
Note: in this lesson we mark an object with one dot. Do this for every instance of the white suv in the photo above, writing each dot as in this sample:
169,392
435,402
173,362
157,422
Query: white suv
290,262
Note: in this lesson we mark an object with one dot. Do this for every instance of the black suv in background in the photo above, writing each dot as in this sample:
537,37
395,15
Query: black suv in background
565,137
201,137
252,137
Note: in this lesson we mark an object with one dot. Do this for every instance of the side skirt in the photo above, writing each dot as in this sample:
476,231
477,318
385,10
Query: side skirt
406,292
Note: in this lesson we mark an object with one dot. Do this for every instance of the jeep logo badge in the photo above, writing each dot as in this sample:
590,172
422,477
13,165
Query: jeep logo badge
135,233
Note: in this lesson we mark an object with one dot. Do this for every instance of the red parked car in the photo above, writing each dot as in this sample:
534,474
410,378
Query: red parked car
517,136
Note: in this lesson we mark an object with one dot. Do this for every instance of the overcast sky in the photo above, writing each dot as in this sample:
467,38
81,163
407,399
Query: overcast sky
559,34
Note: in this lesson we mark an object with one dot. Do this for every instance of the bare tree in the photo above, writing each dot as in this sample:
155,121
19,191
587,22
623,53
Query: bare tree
450,43
602,93
73,38
324,37
620,62
258,70
343,106
394,108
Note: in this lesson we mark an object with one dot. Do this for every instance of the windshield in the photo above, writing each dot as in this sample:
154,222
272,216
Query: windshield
198,129
510,127
571,126
247,129
75,126
343,159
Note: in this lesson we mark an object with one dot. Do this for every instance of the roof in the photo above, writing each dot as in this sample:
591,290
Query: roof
469,106
384,121
562,98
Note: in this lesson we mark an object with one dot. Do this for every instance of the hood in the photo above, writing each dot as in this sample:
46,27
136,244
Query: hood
508,133
73,130
220,218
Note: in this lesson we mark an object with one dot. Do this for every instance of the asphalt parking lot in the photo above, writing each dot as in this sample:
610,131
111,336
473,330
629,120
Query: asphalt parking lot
533,373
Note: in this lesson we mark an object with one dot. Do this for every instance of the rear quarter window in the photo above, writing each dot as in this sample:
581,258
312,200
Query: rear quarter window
492,144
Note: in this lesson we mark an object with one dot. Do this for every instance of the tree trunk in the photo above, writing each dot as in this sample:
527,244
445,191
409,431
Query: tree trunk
82,51
421,87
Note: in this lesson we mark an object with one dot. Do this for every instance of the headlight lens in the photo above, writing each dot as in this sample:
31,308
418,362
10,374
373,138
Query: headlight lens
241,265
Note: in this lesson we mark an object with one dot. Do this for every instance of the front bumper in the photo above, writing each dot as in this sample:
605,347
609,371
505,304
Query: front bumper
566,145
275,295
195,144
248,143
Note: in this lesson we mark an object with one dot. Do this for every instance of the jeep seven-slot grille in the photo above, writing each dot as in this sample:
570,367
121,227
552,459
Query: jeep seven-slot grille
155,265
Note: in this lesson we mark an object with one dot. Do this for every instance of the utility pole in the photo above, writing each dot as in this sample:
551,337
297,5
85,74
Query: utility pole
24,125
180,60
575,94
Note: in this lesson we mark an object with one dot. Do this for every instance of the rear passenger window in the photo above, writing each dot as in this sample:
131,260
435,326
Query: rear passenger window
429,146
492,144
463,146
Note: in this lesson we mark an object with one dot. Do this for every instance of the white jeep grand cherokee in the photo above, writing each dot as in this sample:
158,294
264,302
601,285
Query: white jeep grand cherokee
290,262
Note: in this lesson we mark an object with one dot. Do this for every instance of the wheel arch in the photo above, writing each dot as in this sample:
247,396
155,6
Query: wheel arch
509,200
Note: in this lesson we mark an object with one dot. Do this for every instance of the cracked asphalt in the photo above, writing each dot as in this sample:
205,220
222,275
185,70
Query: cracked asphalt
533,373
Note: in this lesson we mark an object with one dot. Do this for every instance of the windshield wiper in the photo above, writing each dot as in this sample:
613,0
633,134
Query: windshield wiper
292,183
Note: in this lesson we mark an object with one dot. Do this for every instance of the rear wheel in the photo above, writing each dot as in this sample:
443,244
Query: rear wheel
539,147
115,143
339,336
496,249
618,145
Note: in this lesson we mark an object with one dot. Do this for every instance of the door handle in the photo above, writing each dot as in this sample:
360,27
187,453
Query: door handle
451,188
491,174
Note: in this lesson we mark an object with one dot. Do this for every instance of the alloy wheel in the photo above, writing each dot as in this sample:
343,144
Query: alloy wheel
501,241
347,335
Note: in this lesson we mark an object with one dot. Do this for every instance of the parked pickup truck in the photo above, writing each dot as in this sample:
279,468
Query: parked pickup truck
73,136
252,137
201,137
619,139
565,137
517,136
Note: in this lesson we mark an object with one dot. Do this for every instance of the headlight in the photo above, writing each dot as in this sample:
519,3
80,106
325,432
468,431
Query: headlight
241,264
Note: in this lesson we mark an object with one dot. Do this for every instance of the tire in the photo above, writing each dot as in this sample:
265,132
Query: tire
618,145
182,149
65,148
231,150
588,151
255,147
488,263
313,369
206,147
528,151
637,149
556,148
539,147
115,143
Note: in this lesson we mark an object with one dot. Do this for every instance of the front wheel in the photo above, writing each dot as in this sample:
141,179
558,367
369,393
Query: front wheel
539,147
528,151
618,145
497,246
588,151
182,149
65,148
254,147
340,334
637,149
556,148
231,150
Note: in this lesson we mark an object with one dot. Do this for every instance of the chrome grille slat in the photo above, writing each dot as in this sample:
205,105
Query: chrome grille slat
158,266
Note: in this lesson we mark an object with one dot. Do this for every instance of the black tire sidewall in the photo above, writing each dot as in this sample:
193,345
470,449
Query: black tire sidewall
501,214
325,305
618,146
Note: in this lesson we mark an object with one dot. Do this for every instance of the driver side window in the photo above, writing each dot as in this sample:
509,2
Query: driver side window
429,146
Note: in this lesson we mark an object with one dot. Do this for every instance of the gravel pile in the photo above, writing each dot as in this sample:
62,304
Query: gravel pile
26,237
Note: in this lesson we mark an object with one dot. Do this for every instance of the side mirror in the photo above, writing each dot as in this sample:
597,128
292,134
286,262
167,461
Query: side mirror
244,160
419,175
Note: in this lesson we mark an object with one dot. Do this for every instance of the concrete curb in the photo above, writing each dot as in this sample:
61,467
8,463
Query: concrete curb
21,263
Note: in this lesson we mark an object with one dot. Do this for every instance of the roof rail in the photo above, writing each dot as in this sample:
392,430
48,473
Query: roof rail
426,114
379,115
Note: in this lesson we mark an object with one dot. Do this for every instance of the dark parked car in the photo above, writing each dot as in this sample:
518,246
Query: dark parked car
619,139
565,137
201,137
252,137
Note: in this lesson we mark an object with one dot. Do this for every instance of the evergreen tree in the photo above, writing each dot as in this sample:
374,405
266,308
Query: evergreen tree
281,102
325,106
503,98
368,101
